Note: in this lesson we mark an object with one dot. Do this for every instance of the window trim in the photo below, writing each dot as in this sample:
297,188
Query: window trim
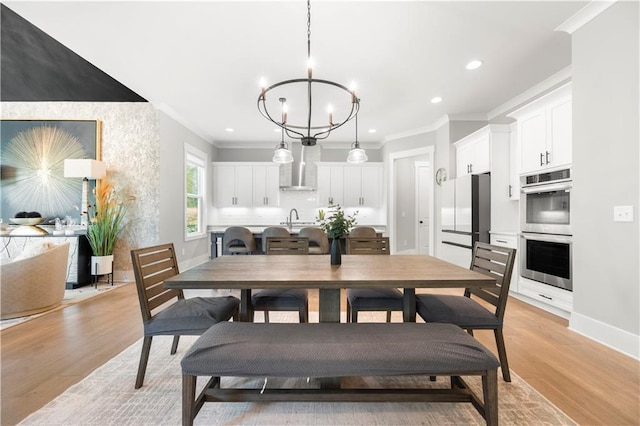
193,155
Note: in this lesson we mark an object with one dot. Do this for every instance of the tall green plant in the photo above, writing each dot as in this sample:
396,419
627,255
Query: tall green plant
337,224
108,222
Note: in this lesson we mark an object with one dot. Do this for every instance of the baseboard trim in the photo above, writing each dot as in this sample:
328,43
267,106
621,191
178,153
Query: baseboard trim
608,335
191,263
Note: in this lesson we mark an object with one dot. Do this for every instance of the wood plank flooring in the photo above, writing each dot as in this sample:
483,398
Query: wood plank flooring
41,358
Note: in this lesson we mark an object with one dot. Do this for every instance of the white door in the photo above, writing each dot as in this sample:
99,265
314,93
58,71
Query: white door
424,189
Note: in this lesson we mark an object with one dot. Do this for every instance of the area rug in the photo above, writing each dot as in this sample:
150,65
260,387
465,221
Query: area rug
107,397
71,297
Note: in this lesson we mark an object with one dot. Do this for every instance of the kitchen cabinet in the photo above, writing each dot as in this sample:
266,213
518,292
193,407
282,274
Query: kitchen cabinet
547,297
509,240
266,185
350,185
514,163
233,185
545,132
330,185
362,185
473,153
246,184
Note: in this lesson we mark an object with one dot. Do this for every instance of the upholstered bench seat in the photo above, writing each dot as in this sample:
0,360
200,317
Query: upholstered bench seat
332,350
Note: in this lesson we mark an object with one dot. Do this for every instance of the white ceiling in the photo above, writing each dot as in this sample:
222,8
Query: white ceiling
202,61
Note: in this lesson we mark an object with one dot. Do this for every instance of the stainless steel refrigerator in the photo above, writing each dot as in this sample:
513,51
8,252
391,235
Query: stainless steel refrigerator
465,216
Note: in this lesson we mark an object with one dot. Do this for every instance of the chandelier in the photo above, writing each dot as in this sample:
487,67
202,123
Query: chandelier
307,132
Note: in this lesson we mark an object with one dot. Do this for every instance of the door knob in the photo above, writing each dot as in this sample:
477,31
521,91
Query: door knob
421,222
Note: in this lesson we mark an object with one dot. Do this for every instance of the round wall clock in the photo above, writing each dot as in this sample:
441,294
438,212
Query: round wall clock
441,175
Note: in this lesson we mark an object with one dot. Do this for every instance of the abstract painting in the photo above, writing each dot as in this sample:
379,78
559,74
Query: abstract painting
32,154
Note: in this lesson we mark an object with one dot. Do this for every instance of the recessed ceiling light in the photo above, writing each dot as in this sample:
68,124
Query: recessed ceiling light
229,129
277,129
476,63
436,100
372,130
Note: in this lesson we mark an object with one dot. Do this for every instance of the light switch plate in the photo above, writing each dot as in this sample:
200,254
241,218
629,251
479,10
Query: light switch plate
623,213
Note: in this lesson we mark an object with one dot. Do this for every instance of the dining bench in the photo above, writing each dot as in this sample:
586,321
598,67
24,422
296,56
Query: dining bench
328,351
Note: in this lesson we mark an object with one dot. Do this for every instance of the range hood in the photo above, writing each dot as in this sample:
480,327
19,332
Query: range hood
301,175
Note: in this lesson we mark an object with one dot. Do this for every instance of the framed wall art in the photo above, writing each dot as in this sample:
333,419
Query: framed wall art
32,154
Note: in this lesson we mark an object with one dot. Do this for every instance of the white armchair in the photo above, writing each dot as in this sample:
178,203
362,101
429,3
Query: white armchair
35,284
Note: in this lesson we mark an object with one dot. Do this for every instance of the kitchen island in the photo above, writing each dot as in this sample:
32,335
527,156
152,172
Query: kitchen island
217,232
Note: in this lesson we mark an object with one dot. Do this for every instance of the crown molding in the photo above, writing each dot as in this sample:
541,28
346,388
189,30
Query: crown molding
561,77
584,15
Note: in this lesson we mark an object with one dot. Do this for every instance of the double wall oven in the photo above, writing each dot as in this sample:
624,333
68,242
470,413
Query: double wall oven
545,238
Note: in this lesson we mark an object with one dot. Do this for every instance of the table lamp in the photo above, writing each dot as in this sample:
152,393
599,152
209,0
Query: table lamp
86,169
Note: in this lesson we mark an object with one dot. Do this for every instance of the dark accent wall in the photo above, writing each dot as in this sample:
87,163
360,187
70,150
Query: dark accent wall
36,67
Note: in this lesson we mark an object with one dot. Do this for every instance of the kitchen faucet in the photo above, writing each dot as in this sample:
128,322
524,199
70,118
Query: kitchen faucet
297,217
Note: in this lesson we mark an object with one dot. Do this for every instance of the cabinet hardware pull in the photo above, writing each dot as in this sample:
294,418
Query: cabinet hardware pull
509,190
545,296
547,156
470,168
541,159
502,241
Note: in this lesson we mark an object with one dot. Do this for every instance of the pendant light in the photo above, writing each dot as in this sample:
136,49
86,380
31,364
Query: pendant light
356,154
282,154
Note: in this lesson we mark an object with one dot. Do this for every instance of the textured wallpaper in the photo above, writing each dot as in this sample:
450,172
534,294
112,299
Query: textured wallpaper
131,149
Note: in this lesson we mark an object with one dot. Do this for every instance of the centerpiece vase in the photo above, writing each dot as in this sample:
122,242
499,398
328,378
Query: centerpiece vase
336,253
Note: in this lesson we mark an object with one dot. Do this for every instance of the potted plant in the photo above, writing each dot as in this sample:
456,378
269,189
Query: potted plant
105,226
337,225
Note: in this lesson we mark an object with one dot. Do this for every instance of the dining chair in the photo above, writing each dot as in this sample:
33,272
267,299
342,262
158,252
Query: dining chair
283,299
496,262
363,231
193,316
273,231
238,240
371,299
318,240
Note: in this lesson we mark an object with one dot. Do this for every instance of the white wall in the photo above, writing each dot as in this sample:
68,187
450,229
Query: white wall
606,173
173,137
130,147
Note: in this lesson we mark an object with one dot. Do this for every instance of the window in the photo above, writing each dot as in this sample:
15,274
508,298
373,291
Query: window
195,190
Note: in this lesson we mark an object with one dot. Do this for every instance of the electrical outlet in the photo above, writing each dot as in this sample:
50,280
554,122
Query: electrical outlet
623,213
183,252
405,242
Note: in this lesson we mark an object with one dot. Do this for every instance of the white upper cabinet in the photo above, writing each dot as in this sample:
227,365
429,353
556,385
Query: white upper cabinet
233,185
266,185
544,132
246,184
350,185
473,154
330,185
362,185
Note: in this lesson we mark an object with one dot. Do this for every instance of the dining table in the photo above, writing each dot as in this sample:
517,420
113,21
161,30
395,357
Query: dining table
407,272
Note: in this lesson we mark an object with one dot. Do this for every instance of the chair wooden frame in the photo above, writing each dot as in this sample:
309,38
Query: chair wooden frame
287,245
151,266
366,245
291,245
496,262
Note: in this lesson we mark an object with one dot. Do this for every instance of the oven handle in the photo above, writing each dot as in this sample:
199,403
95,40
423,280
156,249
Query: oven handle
564,239
562,186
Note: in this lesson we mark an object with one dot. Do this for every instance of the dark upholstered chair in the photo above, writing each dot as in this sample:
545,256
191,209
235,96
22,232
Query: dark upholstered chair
283,299
465,312
371,299
318,240
238,240
153,265
272,231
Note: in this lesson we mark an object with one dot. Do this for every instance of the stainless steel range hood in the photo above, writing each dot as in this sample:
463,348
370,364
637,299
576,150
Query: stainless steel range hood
301,175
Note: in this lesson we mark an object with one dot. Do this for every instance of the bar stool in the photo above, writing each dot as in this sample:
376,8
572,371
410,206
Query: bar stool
318,240
238,240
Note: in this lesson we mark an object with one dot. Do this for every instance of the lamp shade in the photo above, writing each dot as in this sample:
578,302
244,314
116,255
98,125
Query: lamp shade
357,156
84,168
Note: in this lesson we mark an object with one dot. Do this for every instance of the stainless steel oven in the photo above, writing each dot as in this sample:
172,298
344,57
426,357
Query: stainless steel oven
547,258
545,204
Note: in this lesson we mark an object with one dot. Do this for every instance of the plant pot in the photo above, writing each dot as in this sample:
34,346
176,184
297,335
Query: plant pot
336,252
101,265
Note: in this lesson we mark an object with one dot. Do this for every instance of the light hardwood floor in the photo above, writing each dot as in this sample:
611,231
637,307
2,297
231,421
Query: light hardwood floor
41,358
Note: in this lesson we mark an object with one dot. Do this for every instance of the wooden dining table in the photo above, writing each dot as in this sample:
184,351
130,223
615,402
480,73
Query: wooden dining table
407,272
